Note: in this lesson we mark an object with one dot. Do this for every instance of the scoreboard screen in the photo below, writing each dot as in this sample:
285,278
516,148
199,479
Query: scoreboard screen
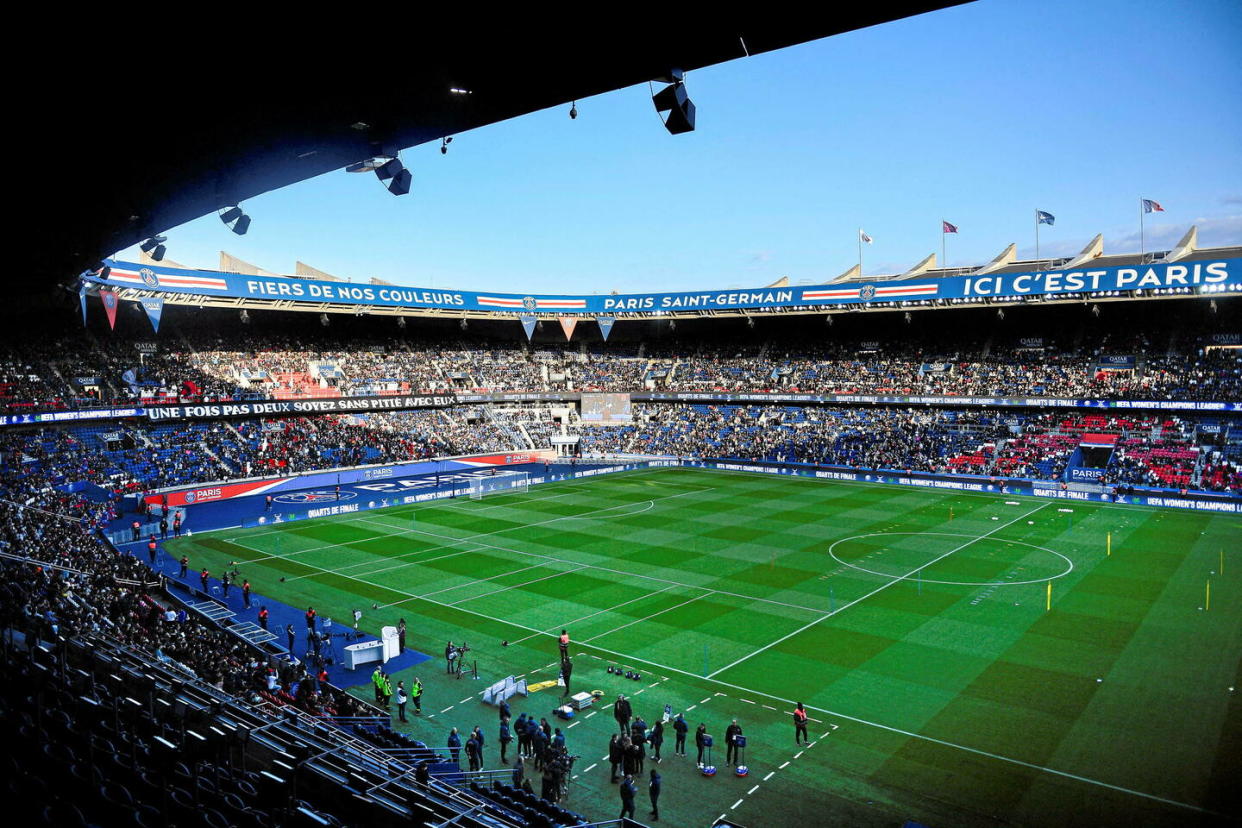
606,408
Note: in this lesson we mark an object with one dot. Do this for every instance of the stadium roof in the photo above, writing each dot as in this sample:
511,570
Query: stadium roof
154,125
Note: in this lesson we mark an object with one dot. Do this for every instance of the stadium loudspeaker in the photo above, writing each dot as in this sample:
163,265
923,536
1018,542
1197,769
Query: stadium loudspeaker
154,247
235,220
676,102
395,177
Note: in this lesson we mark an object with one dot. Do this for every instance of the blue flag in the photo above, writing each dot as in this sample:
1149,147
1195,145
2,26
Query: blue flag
1045,218
528,325
82,299
605,325
154,306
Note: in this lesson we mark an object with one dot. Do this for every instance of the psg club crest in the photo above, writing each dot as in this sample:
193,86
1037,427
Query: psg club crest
529,303
149,278
313,497
189,497
109,300
867,293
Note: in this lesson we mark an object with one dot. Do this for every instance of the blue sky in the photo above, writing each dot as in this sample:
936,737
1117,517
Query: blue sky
976,114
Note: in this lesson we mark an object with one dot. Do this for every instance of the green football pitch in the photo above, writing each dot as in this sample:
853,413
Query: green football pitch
967,659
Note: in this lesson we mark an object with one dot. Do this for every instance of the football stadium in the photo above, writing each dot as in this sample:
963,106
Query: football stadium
954,542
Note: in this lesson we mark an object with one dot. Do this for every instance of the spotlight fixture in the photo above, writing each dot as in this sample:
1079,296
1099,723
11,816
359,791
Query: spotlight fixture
154,247
674,100
1000,313
828,320
463,323
444,142
324,320
401,322
235,219
245,317
573,110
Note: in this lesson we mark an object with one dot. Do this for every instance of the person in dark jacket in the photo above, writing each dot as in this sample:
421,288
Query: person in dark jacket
523,737
616,755
633,758
454,745
656,739
731,733
700,741
477,735
653,790
680,727
621,711
472,754
627,797
506,736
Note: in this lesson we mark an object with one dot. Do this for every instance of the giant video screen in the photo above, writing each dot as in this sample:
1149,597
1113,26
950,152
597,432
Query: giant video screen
602,409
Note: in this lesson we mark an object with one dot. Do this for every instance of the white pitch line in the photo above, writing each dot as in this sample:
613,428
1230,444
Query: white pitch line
769,776
593,767
649,617
589,715
476,580
782,767
798,755
735,804
572,726
875,591
592,615
752,791
691,707
515,586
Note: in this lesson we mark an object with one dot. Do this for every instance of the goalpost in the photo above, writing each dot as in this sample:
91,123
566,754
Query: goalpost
501,481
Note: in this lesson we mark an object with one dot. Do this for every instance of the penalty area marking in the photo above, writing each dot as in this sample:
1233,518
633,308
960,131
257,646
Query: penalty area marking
1069,565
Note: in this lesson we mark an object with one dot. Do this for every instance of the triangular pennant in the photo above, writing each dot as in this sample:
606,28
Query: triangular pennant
568,323
82,299
109,302
154,306
528,325
605,325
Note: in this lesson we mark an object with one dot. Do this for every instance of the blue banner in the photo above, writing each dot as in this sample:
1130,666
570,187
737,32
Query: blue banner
528,325
82,299
1204,276
605,325
154,306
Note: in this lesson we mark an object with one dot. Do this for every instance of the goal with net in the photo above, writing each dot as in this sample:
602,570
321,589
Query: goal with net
501,481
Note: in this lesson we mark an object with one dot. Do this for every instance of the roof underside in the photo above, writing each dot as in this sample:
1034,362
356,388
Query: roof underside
158,127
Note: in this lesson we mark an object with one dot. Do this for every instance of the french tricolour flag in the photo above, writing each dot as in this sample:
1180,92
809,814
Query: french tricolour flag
1150,206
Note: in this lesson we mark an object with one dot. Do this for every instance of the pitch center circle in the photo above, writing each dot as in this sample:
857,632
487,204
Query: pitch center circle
1069,565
